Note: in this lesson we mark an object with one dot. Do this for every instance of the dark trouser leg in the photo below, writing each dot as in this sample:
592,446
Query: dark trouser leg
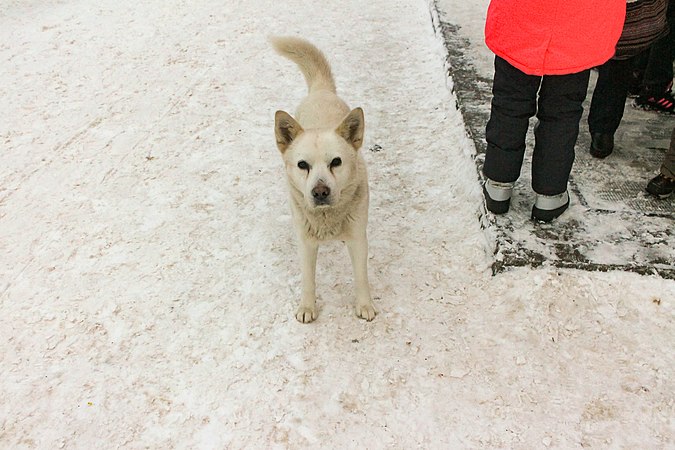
659,71
668,166
513,103
560,110
609,96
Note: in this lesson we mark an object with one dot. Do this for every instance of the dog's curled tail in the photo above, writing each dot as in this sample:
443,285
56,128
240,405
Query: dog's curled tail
313,64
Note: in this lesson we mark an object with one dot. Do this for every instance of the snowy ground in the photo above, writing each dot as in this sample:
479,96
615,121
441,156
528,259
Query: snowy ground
148,276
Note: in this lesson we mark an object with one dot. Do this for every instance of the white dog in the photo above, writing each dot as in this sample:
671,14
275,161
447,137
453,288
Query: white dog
326,174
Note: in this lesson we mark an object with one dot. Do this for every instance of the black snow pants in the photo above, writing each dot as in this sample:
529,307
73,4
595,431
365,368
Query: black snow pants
557,102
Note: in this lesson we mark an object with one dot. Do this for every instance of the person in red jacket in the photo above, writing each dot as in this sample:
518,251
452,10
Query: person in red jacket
543,54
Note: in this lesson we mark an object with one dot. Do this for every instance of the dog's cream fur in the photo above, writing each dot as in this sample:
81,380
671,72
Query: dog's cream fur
326,174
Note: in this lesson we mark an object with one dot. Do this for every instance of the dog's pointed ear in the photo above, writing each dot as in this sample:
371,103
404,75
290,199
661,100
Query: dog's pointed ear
352,127
286,130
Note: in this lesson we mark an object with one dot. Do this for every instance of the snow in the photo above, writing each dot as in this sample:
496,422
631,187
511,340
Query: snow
149,273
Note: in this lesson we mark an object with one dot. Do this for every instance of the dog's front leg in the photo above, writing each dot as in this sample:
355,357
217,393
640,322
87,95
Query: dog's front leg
307,310
358,251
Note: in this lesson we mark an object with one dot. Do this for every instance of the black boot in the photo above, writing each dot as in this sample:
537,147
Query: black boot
497,196
602,144
661,186
548,207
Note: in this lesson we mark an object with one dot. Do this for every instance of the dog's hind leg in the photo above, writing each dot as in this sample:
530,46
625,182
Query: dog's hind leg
306,312
358,251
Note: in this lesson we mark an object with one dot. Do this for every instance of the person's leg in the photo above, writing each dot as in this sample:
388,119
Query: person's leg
663,185
513,103
668,166
607,105
656,93
658,74
560,109
637,72
609,96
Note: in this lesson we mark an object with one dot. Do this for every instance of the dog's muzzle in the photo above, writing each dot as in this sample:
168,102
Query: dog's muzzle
321,194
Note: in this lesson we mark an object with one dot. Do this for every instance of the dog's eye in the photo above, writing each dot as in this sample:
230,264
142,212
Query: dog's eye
336,162
303,165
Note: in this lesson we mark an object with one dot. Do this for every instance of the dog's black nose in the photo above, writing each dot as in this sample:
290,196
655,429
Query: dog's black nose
320,193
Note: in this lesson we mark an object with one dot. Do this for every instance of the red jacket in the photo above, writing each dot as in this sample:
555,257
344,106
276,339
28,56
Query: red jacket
554,37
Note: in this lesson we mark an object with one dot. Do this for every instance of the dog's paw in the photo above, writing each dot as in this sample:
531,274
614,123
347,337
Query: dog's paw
305,314
366,311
